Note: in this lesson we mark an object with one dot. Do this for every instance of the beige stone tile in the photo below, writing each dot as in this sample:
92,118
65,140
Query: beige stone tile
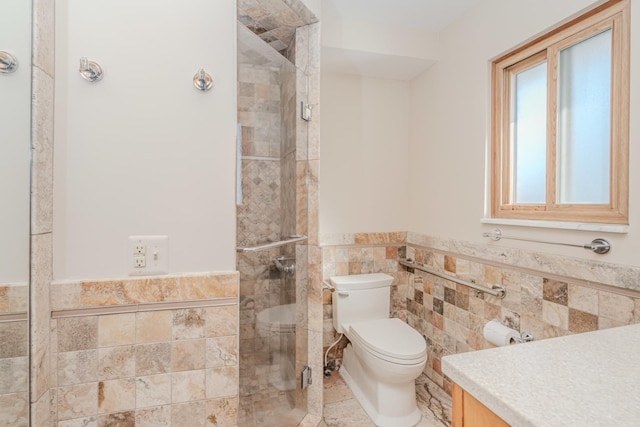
222,412
221,321
153,326
153,358
187,386
346,413
116,395
616,307
18,298
14,375
77,401
77,333
14,339
80,422
188,323
77,367
221,351
153,390
65,296
335,389
116,362
604,323
116,329
14,409
159,416
119,419
555,314
190,414
583,298
221,382
188,355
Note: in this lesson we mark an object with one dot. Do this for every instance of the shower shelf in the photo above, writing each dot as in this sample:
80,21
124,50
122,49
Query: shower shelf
291,239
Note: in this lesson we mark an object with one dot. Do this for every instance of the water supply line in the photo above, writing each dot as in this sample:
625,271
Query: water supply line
327,371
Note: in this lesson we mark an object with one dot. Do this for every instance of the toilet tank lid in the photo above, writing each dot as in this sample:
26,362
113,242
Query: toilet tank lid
362,281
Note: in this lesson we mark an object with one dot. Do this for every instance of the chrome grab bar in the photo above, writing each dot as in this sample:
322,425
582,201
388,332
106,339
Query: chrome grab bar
598,246
496,291
291,239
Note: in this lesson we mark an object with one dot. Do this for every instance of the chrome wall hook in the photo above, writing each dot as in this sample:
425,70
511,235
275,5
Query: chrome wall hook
202,80
90,71
8,63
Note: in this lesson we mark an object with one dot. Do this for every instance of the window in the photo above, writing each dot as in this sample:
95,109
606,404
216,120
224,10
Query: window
560,122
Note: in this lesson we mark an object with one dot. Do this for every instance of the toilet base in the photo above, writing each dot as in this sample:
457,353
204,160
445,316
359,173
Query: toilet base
388,405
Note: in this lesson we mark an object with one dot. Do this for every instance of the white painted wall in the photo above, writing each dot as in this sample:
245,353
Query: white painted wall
363,172
449,129
15,131
142,151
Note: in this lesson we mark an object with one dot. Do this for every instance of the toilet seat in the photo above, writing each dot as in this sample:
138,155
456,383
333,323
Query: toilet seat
389,339
280,318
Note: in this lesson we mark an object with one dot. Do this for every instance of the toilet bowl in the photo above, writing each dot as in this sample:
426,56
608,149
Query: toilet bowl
385,355
277,326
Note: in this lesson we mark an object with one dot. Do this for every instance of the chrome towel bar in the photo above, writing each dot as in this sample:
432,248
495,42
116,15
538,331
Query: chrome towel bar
291,239
598,246
496,291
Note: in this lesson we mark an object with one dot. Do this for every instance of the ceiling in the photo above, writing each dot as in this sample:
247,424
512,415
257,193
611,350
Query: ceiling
426,15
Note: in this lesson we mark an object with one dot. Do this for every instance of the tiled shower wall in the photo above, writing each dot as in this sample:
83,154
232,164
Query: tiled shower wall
279,199
146,352
451,316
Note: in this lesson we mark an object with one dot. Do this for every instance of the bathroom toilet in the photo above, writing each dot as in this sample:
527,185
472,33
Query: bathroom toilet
277,326
385,355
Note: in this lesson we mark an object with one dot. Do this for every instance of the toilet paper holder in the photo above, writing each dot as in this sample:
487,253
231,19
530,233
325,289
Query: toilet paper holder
526,337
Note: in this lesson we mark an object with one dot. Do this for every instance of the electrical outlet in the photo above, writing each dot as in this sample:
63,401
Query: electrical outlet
148,255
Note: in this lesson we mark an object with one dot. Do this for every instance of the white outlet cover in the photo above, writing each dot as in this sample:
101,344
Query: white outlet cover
156,254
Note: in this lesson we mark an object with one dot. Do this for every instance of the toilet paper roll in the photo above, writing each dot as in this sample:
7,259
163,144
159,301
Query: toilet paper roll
498,334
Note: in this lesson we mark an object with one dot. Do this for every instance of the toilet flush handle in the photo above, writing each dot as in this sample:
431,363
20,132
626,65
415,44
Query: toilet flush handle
343,293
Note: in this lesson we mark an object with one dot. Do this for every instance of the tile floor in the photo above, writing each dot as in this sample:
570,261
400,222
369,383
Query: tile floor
342,409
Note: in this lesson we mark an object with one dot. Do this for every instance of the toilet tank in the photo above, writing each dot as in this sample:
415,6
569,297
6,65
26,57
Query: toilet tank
360,297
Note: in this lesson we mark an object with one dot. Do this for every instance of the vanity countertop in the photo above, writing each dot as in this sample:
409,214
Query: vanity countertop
590,379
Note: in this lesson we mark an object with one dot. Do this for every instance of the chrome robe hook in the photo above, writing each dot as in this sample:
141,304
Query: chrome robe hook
8,63
89,70
202,80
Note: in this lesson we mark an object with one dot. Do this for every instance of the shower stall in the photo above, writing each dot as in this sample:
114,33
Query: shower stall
272,228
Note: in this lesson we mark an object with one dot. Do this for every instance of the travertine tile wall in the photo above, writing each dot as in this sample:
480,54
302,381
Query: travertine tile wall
451,316
149,351
14,355
275,21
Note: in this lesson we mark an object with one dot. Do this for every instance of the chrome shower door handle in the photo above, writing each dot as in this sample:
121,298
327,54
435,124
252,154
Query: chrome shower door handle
8,62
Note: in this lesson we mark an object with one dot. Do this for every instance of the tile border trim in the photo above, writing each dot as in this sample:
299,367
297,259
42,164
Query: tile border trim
145,307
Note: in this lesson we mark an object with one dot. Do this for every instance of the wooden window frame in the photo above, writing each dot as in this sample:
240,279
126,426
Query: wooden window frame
613,14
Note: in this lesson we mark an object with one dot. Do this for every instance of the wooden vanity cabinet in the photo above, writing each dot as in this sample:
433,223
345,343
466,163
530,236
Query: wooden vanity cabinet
468,412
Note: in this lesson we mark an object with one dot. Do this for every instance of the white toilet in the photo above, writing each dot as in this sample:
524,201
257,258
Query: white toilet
385,355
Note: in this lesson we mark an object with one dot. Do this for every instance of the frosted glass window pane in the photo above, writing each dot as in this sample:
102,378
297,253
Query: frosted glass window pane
584,122
530,135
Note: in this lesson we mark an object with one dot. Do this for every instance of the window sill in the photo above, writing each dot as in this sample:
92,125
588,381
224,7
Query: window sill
580,226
